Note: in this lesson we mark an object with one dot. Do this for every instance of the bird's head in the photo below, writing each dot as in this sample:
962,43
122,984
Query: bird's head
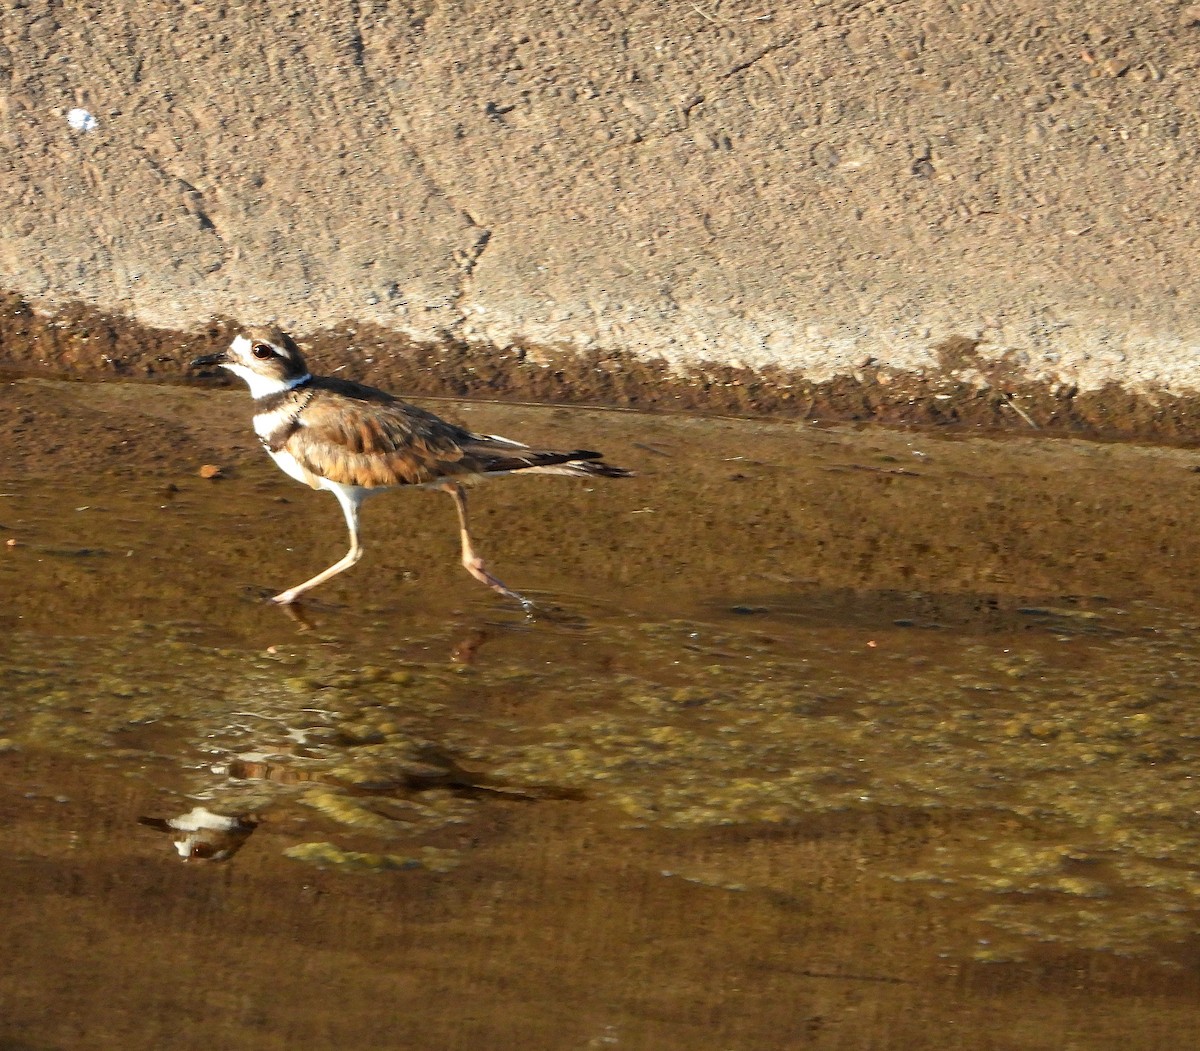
266,358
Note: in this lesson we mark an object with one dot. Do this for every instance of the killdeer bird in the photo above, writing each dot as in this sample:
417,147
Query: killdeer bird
355,440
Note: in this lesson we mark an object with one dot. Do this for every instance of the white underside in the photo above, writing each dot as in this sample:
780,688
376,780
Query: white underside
199,818
288,464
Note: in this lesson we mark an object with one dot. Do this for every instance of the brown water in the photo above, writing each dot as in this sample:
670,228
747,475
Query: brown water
818,739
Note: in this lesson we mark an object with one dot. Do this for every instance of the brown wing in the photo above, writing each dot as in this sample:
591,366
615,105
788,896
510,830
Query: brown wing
360,436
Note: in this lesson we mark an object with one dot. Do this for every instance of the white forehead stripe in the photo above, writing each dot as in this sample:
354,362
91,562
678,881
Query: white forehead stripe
241,346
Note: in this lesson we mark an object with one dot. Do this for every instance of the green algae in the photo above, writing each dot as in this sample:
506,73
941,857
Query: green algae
1064,763
328,855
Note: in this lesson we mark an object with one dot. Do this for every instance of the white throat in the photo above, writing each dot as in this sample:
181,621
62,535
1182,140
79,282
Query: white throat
261,386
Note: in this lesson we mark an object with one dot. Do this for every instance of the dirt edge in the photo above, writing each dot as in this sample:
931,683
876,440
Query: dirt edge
967,390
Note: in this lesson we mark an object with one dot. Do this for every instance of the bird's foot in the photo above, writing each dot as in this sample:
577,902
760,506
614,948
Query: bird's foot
477,569
527,606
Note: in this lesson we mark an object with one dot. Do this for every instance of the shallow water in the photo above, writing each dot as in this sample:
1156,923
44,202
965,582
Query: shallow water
818,738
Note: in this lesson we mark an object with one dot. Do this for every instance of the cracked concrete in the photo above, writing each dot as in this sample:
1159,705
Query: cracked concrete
819,188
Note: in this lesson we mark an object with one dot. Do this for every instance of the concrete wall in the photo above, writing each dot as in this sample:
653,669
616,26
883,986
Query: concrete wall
821,186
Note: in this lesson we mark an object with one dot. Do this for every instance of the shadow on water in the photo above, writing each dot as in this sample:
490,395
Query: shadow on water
790,754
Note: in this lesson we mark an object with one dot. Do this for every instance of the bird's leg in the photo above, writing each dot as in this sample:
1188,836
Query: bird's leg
350,502
470,560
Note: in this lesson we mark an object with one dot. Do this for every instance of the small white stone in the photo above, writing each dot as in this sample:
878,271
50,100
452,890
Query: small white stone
81,120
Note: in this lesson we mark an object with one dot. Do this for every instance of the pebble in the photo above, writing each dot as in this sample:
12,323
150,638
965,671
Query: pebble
81,120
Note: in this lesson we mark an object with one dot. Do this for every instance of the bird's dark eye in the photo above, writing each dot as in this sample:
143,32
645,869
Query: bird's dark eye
262,350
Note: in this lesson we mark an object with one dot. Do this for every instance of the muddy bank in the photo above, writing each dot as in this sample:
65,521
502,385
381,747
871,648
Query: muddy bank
965,390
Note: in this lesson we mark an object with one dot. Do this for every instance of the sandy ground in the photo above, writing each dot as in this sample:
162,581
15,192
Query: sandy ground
755,504
836,190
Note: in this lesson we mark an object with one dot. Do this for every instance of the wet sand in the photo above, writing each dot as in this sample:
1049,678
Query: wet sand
821,738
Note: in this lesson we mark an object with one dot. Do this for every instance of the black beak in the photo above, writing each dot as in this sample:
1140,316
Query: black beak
209,359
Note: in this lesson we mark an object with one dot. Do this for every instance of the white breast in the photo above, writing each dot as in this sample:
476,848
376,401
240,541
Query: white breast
266,424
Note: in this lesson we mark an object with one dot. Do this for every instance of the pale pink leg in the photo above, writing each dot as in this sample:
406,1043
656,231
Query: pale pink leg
470,560
350,500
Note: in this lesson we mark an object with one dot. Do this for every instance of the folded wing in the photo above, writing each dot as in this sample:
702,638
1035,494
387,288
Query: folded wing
359,436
